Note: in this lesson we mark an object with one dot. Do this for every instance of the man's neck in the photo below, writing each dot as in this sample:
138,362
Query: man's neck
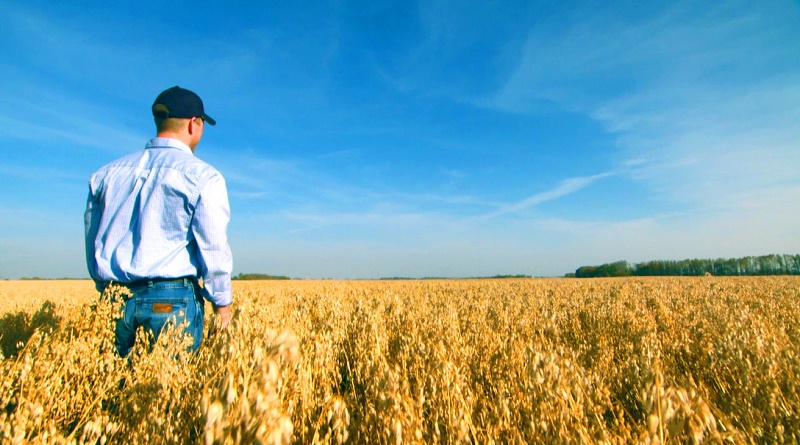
185,138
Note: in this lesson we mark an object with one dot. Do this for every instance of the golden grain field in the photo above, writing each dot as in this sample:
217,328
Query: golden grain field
634,360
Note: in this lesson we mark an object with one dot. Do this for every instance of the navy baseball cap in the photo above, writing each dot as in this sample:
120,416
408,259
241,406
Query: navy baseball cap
181,103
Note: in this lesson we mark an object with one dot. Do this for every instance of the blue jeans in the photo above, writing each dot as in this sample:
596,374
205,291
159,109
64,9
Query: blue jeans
153,305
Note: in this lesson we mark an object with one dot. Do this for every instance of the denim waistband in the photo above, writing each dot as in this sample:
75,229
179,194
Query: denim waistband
148,282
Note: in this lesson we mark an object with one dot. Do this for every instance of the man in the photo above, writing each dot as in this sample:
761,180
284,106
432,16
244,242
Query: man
156,221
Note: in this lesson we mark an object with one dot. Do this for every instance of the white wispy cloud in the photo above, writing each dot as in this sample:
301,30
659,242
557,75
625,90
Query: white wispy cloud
339,154
39,173
698,114
564,188
444,199
60,128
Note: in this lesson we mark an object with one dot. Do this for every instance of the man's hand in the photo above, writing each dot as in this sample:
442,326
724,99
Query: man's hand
224,316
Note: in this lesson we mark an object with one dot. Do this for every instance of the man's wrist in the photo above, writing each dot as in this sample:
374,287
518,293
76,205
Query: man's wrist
223,314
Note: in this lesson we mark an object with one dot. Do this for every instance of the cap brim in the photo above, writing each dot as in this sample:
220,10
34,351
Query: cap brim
209,119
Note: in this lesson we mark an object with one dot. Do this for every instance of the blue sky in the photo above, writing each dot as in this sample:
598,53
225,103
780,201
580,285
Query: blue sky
435,138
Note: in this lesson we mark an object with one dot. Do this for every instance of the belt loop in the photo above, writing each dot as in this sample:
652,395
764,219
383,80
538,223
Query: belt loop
185,281
150,284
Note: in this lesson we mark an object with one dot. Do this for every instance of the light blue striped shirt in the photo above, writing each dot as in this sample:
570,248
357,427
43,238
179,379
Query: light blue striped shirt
159,213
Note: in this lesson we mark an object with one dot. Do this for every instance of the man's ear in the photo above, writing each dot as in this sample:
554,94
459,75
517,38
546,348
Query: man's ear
191,125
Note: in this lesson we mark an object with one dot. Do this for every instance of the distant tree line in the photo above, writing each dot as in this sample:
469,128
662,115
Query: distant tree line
51,279
511,276
464,278
258,276
758,265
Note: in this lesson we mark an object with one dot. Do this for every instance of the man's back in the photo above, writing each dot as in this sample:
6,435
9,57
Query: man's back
142,223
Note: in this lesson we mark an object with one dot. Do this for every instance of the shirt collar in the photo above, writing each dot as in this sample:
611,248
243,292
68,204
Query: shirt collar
157,143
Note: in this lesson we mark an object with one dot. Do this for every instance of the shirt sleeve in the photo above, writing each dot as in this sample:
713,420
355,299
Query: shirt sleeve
210,227
91,222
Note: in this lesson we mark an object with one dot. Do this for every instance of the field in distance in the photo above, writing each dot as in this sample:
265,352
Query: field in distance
628,360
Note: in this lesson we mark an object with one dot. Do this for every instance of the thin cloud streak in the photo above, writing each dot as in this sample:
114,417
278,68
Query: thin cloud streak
564,188
77,132
688,127
49,117
37,174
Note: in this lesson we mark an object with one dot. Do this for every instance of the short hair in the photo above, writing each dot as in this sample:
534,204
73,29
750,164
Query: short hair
165,123
171,124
